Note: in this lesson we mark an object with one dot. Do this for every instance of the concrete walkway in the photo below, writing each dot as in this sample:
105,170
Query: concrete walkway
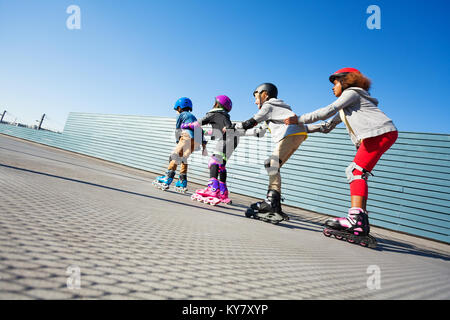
74,227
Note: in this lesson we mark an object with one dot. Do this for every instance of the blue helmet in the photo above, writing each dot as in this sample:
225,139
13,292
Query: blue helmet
183,103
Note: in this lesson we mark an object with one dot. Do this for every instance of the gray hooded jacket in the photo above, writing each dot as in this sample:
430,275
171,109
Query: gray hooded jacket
361,112
273,112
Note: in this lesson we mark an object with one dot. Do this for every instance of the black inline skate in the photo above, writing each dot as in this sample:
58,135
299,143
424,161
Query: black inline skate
354,229
268,210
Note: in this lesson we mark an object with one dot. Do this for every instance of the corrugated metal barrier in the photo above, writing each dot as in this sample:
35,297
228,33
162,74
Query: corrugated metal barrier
410,191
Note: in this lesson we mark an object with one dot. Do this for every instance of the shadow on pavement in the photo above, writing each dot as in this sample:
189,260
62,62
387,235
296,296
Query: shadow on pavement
138,194
408,248
75,164
303,223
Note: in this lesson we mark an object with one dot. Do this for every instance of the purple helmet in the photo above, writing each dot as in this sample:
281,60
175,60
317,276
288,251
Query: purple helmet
225,102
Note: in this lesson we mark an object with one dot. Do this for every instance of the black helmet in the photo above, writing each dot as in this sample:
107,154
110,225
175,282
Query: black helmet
271,89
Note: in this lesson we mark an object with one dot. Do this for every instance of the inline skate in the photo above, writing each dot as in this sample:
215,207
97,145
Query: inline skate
268,210
354,228
181,185
210,194
223,193
163,182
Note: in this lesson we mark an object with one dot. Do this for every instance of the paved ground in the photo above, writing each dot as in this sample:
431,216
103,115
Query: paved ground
64,215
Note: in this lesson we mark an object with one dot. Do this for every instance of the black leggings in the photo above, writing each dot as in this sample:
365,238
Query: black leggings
218,172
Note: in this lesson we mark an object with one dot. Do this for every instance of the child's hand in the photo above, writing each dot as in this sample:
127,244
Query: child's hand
291,120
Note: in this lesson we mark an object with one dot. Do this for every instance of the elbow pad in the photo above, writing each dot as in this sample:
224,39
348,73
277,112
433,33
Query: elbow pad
249,124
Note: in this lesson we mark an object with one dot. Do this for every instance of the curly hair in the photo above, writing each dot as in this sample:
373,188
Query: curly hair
355,79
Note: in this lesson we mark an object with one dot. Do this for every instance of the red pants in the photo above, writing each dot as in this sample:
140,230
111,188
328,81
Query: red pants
368,154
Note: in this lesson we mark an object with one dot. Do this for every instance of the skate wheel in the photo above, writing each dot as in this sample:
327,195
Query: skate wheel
364,244
338,237
372,242
350,240
326,233
249,213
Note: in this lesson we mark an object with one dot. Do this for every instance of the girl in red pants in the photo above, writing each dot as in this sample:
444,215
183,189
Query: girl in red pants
372,132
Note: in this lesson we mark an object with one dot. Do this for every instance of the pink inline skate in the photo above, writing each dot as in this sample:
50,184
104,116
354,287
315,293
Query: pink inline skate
210,194
354,228
223,194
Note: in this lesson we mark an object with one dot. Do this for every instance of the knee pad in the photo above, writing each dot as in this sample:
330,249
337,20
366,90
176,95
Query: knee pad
184,160
175,157
351,177
215,160
272,165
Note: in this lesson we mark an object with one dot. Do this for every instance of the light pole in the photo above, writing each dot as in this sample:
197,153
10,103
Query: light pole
42,120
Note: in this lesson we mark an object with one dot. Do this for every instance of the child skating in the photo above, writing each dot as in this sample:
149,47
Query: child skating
372,132
188,140
287,137
227,140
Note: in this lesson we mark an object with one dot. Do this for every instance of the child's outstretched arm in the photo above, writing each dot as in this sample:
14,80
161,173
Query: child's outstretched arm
256,132
324,127
260,116
346,99
196,124
190,125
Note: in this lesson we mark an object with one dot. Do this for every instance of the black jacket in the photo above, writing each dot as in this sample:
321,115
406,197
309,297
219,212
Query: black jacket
218,120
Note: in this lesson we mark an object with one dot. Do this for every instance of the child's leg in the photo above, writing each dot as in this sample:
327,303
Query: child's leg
177,155
188,147
366,158
217,168
223,174
215,164
283,151
213,167
223,181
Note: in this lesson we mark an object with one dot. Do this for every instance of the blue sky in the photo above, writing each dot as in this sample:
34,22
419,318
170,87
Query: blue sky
139,57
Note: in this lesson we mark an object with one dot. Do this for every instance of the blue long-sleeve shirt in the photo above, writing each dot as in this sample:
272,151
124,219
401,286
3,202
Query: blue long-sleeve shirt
186,117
